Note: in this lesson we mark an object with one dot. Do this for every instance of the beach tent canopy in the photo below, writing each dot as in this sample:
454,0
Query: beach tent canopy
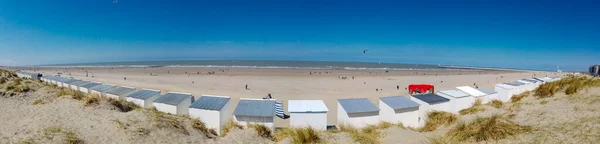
103,87
487,91
90,85
173,98
144,94
262,108
399,102
471,91
120,91
454,93
306,106
431,98
210,103
359,105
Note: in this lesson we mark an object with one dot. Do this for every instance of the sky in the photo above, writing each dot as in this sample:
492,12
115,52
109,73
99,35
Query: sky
510,34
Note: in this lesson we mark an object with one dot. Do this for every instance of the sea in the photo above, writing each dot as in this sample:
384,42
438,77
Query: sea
260,64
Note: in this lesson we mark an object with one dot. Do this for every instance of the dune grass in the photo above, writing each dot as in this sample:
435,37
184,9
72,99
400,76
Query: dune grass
497,104
306,135
436,119
91,100
122,105
38,102
495,127
69,92
570,85
166,121
70,137
230,126
475,108
518,98
262,130
367,135
199,125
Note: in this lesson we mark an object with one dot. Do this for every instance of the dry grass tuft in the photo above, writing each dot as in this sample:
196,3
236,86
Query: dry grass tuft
70,137
570,85
299,135
69,92
122,105
543,102
518,98
497,104
230,126
199,125
367,135
91,100
436,119
476,108
38,102
262,130
166,121
495,127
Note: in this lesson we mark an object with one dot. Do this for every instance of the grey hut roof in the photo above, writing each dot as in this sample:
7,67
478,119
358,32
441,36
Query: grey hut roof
120,91
103,88
431,98
358,105
454,93
487,91
514,83
210,103
530,80
79,83
74,81
143,94
90,85
173,98
399,102
68,80
263,108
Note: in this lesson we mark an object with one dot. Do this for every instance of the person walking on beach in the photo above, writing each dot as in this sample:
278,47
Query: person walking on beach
246,86
124,78
397,87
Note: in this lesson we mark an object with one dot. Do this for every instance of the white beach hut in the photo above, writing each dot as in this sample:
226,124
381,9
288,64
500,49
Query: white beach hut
255,111
143,97
305,113
101,89
528,86
212,110
428,103
174,103
27,75
64,82
357,113
86,87
505,92
535,83
477,95
120,92
458,99
491,95
76,84
520,87
399,109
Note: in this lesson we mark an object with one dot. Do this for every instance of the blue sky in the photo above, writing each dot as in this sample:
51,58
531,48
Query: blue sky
512,34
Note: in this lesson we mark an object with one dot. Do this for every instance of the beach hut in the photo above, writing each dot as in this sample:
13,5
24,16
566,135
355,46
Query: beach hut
528,86
120,92
477,95
308,113
174,103
428,103
86,87
458,99
505,92
535,83
399,109
212,110
27,75
359,112
143,97
76,84
520,87
101,89
255,111
491,95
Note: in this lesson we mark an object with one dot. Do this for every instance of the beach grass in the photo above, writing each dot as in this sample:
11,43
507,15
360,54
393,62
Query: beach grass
475,108
495,127
199,125
306,135
38,102
230,126
166,121
366,135
519,97
497,104
261,130
570,85
122,105
436,119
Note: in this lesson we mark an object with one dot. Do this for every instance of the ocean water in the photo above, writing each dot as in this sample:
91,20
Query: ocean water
275,64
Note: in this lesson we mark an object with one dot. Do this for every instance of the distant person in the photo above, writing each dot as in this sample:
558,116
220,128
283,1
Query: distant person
397,87
352,78
246,86
192,81
124,78
377,90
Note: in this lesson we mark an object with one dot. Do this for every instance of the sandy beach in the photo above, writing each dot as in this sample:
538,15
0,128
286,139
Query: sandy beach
289,84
